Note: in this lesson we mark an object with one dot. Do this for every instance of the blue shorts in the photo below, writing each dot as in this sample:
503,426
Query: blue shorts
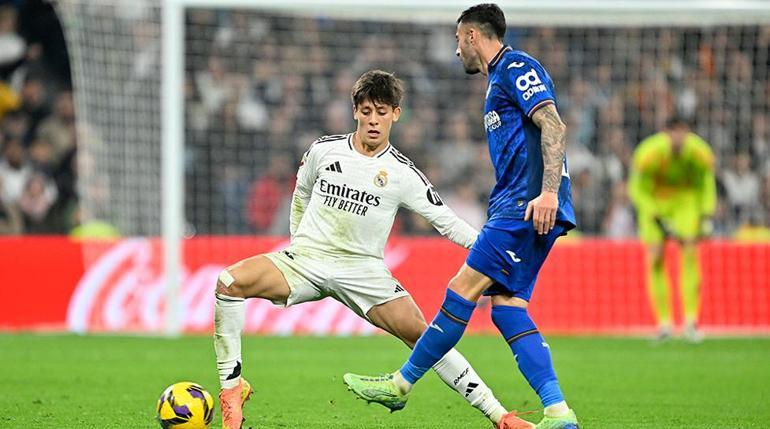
511,252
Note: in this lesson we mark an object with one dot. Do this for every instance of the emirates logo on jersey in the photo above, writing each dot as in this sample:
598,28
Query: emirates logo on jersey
381,179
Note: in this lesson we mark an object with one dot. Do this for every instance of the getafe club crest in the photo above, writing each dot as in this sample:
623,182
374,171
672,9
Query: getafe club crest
381,179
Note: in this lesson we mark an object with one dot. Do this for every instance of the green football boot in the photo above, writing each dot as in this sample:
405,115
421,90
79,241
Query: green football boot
565,422
381,389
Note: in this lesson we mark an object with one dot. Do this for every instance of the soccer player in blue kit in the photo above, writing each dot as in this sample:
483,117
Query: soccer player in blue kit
529,207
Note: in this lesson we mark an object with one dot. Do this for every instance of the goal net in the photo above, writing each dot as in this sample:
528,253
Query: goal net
262,80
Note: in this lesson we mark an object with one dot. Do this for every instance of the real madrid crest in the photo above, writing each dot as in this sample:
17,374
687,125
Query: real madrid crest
381,179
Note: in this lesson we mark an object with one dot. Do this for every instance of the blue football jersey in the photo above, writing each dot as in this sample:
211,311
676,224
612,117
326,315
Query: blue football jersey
518,86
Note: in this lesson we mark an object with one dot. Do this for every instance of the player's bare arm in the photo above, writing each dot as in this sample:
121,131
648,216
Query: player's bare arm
553,141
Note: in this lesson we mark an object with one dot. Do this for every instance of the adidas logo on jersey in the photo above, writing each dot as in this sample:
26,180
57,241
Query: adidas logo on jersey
398,289
335,167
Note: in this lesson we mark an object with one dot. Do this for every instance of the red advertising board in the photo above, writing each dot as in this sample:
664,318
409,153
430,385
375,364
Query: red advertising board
586,286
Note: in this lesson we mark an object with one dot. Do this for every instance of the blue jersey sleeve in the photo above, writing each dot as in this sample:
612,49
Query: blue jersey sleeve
528,84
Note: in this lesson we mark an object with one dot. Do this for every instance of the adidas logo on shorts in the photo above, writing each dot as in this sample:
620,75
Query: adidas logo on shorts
398,288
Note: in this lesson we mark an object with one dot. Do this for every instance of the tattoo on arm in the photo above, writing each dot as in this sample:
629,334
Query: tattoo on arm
553,141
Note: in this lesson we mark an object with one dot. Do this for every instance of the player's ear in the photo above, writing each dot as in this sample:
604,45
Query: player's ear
355,108
396,113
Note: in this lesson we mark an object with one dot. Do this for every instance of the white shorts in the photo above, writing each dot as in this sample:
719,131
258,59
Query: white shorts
358,284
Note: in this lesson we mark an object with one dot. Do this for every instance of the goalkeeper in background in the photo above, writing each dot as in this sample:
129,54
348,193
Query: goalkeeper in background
673,187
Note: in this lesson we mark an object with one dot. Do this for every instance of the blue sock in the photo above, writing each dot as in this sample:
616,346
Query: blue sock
442,334
530,350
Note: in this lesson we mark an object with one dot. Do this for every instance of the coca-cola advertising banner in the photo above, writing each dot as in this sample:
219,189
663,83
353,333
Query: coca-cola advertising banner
586,286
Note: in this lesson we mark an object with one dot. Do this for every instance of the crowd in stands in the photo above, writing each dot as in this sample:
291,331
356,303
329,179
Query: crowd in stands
37,122
261,87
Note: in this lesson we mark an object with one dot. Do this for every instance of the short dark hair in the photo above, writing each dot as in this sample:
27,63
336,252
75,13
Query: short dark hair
379,87
489,18
677,121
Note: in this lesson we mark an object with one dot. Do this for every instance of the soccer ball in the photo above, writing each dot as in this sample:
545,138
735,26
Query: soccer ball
185,405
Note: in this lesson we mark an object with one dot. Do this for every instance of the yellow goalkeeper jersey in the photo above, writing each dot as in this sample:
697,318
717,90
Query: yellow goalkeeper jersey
660,177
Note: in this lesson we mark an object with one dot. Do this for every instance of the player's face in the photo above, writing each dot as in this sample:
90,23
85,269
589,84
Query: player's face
465,50
678,135
375,121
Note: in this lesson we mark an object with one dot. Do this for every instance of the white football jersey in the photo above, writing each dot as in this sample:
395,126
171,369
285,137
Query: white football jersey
345,202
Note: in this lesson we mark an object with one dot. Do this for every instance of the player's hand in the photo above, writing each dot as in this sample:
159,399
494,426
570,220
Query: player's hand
542,211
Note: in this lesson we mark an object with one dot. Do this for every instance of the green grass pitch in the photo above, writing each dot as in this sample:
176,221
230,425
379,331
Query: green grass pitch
65,381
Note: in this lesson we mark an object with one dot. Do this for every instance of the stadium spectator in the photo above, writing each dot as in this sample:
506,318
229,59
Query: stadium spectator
619,223
464,200
214,86
9,99
586,185
764,199
270,194
34,104
742,186
615,155
457,152
15,124
11,222
14,169
12,45
36,201
58,129
41,156
760,141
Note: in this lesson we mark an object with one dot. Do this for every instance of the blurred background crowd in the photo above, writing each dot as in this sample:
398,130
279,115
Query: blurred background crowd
37,127
260,87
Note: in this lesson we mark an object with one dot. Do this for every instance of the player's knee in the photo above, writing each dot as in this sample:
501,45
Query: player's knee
455,283
460,286
228,285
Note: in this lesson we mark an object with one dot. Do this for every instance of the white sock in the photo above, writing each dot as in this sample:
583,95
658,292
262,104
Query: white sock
403,385
557,410
458,374
229,315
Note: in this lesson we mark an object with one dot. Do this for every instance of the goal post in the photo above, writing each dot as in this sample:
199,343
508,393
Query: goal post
181,103
172,154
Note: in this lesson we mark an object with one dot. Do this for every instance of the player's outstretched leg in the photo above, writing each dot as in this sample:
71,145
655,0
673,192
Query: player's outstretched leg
379,389
403,319
457,373
250,278
443,333
534,360
229,313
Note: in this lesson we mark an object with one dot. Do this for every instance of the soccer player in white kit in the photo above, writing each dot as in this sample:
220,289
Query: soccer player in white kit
349,188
